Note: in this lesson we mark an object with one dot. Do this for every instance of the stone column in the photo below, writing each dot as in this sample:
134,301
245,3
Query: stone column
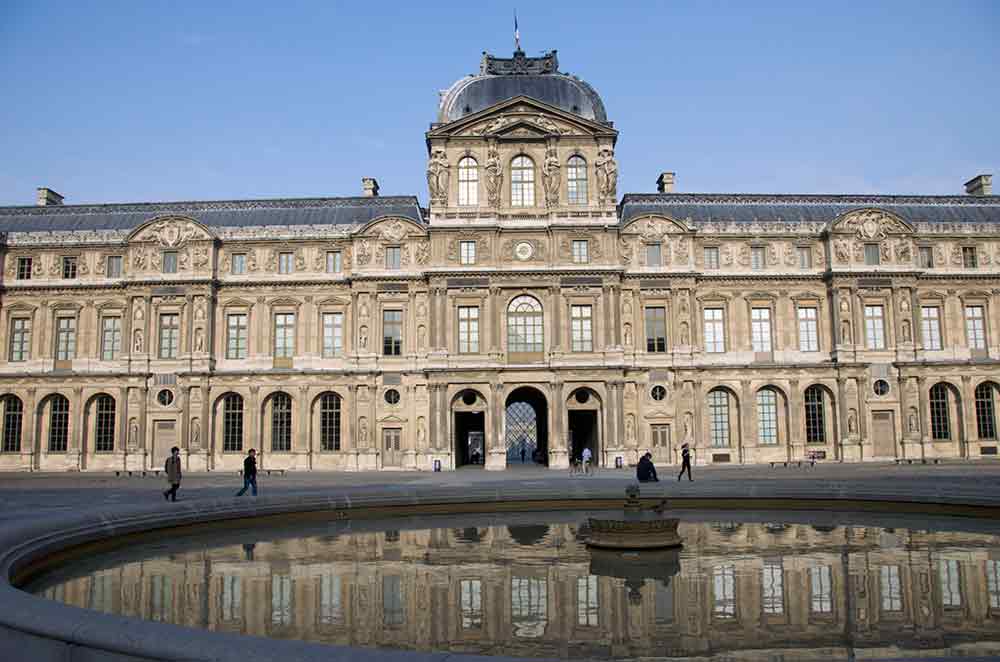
796,438
28,432
555,305
443,414
611,414
253,438
77,415
304,430
747,419
969,431
923,406
616,314
620,414
496,448
442,315
843,411
493,319
604,309
699,444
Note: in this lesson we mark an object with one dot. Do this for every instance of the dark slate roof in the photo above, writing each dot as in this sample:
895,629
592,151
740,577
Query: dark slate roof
747,208
223,213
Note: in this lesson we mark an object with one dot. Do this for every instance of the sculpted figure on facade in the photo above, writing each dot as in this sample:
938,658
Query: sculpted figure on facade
493,171
904,252
364,252
199,340
791,255
551,178
438,177
422,252
628,334
907,334
852,422
363,337
195,434
842,250
137,344
607,176
548,125
913,421
133,433
625,250
685,335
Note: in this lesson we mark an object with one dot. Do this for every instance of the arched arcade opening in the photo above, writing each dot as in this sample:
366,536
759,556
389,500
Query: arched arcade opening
526,427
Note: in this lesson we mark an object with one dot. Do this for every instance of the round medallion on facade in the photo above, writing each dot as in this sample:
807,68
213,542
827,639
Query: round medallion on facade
881,387
392,396
524,250
582,396
658,393
165,397
469,397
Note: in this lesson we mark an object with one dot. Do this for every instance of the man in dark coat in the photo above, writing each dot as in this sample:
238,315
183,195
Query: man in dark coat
645,472
173,470
685,462
249,473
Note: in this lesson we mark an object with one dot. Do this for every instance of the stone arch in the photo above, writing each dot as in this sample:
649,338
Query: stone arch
55,422
722,420
279,424
469,419
409,224
819,416
524,330
585,424
526,425
230,420
327,416
777,432
986,395
945,414
95,432
12,416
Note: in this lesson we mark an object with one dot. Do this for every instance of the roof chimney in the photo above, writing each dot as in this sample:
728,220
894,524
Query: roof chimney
369,187
979,185
47,197
665,182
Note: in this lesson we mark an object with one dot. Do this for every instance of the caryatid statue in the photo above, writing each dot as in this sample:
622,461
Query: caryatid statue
550,177
607,176
438,176
494,176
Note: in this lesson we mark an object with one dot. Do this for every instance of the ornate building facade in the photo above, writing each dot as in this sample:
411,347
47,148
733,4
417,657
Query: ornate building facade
526,313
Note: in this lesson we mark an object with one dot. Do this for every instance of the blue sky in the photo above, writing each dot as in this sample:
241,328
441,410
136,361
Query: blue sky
141,101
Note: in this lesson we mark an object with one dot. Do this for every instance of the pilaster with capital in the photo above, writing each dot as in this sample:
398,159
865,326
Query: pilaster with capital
747,423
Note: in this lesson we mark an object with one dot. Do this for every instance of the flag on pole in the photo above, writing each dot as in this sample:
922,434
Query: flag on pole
517,33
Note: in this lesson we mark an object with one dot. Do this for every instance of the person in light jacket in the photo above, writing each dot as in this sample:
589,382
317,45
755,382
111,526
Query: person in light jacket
173,470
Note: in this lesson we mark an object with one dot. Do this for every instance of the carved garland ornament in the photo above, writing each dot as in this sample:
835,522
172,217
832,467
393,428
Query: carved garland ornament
872,224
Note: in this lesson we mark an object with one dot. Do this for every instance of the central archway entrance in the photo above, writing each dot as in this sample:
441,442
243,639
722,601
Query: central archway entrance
583,425
527,430
469,426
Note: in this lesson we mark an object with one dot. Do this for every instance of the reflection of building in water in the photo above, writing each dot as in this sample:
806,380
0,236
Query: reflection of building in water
499,589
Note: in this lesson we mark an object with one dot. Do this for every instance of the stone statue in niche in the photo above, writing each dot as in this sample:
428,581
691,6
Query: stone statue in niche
133,433
607,175
687,426
845,332
913,422
137,344
630,427
852,422
551,177
845,305
363,432
628,334
421,432
438,176
363,337
906,331
195,433
494,176
685,335
421,336
199,340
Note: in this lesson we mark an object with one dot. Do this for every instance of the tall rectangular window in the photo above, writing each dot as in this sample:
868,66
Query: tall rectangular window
890,588
663,603
872,254
467,250
773,587
65,338
20,339
656,329
333,334
24,268
169,262
581,251
393,612
392,332
170,335
331,610
724,591
711,257
111,338
468,330
993,584
472,604
587,606
951,583
808,330
231,600
715,335
284,335
718,418
969,258
236,336
392,258
334,262
930,326
582,332
528,606
161,598
757,259
767,416
874,327
653,255
69,267
114,268
286,263
660,435
805,257
926,257
975,326
820,590
760,329
239,264
104,424
281,600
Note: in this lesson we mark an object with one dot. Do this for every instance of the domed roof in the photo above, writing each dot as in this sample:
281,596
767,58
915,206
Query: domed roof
500,79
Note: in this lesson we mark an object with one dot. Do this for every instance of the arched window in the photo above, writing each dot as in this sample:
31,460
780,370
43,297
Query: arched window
281,422
468,182
522,182
524,325
329,422
58,423
576,180
940,416
986,422
13,414
718,418
104,423
232,422
767,416
815,415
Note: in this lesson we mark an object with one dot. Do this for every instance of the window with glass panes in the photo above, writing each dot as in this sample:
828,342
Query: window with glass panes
392,332
926,257
581,328
281,422
587,601
58,423
820,590
940,412
724,591
24,268
930,326
757,258
111,338
969,257
329,422
890,588
468,329
656,329
975,326
284,335
333,334
286,263
993,584
524,325
653,255
334,262
767,416
114,266
231,600
815,406
874,327
393,611
872,257
773,587
13,418
467,250
104,424
522,182
69,267
236,336
760,329
65,338
170,335
711,254
950,579
169,262
472,604
986,423
576,180
281,600
718,418
581,251
20,339
808,329
392,257
468,182
660,435
232,422
715,336
805,257
239,264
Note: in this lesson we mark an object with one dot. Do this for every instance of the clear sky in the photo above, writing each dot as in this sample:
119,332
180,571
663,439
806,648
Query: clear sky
142,101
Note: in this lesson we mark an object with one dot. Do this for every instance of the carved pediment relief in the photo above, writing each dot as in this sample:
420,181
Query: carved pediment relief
237,303
653,228
525,112
172,232
392,229
871,224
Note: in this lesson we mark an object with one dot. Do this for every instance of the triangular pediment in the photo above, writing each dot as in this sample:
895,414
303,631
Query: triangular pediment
522,113
392,228
653,227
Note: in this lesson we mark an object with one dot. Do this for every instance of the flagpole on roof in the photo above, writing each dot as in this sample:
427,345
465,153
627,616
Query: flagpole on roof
517,33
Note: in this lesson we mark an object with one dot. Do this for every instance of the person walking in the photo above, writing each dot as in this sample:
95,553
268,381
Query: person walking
249,473
587,456
685,462
172,468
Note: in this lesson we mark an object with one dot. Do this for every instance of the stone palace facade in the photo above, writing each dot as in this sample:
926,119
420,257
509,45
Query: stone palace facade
526,313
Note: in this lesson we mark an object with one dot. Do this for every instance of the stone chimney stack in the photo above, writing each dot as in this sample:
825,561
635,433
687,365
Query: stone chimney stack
979,185
48,197
665,182
369,187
